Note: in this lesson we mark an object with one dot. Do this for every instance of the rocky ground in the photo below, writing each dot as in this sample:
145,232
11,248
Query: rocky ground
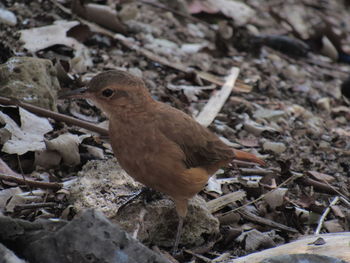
289,106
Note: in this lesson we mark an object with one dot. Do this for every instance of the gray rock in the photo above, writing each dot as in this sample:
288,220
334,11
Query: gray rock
276,147
7,256
90,237
32,80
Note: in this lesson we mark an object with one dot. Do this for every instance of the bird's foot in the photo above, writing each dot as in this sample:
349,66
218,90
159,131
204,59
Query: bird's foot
147,193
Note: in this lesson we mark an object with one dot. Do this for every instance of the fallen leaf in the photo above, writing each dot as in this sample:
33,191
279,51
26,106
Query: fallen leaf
6,194
39,38
68,147
276,198
321,176
29,136
333,226
100,14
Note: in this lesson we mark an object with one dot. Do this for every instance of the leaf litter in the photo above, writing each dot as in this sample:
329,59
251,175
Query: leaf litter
293,112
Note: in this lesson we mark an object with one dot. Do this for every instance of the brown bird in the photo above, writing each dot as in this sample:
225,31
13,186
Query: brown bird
158,145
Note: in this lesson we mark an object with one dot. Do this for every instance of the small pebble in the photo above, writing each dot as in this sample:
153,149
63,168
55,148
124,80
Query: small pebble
276,147
7,17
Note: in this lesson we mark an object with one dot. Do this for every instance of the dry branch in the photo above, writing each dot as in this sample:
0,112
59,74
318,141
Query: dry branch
54,115
336,245
42,185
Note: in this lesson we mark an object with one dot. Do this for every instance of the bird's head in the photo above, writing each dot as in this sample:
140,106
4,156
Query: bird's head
113,91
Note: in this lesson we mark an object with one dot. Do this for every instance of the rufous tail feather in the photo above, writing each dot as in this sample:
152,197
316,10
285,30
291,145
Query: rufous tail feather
244,156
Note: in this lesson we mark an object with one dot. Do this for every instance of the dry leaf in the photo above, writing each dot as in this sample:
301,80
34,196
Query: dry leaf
6,194
43,37
27,137
68,146
100,14
321,176
275,198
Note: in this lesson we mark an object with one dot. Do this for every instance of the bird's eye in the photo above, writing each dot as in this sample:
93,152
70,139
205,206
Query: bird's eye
107,93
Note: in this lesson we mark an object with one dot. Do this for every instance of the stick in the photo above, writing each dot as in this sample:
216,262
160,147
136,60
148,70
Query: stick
54,115
34,206
290,179
43,185
215,103
324,215
265,221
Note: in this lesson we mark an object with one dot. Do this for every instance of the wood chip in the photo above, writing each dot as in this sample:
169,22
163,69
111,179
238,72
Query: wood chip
219,203
217,101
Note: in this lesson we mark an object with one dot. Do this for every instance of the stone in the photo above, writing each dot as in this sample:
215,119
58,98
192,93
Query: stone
276,147
104,185
7,17
7,256
159,222
90,237
31,80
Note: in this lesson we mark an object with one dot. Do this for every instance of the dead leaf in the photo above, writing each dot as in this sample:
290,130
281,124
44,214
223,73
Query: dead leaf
100,14
47,159
6,194
321,176
14,201
27,137
213,185
333,226
276,198
337,211
39,38
68,147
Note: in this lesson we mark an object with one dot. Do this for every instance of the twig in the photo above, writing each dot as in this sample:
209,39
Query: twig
319,186
345,201
54,115
324,215
255,171
337,191
257,219
42,185
203,258
34,206
216,101
290,179
22,173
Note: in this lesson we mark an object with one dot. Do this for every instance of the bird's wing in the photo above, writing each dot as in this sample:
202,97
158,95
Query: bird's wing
201,147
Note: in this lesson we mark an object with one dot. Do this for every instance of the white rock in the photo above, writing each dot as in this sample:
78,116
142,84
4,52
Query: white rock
276,147
7,17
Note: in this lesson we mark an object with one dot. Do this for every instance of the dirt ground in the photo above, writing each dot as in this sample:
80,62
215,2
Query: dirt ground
289,107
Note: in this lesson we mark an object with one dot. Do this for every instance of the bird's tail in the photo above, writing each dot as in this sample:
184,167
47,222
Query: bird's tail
244,156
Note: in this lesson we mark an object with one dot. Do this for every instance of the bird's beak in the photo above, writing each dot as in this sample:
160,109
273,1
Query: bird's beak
75,94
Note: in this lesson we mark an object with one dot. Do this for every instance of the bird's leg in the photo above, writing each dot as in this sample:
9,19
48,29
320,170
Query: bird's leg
178,235
181,209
